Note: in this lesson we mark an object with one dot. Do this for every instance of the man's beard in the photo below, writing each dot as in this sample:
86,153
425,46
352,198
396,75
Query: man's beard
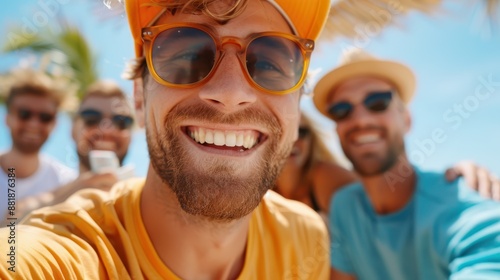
216,193
373,164
28,148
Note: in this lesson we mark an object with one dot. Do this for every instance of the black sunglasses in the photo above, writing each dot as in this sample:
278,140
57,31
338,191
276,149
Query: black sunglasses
26,114
303,132
374,102
92,118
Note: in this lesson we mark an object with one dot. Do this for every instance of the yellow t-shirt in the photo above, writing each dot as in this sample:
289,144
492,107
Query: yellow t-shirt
99,235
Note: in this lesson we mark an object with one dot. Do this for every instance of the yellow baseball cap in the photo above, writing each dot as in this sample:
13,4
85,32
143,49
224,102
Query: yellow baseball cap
308,17
356,63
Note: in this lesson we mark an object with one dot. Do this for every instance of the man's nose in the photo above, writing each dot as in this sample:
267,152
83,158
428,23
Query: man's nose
361,115
35,121
106,126
228,89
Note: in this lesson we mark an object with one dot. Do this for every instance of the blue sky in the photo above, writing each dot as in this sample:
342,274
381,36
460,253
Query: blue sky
454,54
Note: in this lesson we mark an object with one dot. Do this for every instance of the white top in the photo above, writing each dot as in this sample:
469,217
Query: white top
50,175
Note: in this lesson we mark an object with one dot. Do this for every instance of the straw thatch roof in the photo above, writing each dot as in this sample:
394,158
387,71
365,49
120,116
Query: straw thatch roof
348,18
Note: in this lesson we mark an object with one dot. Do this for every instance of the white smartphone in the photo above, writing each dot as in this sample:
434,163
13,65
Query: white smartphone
103,161
107,161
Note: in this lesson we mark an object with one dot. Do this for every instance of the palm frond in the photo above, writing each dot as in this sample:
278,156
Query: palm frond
34,43
79,59
79,56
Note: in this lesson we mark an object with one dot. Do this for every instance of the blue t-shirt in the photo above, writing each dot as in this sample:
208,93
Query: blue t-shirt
446,231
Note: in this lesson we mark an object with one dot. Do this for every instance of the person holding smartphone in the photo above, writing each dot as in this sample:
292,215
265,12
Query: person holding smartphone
102,125
399,221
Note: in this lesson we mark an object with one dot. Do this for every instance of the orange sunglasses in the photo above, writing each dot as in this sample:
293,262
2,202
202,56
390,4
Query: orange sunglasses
186,55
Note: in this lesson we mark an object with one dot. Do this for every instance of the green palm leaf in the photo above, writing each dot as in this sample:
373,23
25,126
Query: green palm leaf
79,58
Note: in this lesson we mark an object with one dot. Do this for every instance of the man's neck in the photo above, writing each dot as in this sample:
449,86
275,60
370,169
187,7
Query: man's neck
390,191
25,164
191,247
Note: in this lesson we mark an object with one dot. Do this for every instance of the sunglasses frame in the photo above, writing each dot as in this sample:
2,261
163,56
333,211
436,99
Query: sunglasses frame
149,34
351,109
102,117
31,114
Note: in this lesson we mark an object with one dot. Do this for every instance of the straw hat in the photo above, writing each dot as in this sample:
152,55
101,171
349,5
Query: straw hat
355,63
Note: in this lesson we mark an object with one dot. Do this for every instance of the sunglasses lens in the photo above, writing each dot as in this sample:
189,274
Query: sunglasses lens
183,55
274,63
46,117
303,132
340,111
122,122
91,117
379,101
24,114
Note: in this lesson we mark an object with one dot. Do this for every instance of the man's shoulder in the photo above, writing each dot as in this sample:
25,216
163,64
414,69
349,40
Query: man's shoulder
288,213
346,195
74,236
453,208
433,187
91,205
431,178
434,190
34,253
282,227
58,170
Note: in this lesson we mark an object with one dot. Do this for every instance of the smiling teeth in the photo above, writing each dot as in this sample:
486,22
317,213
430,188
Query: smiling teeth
245,139
367,138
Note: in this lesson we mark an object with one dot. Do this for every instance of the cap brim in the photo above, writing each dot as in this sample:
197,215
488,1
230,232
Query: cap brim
140,13
308,17
396,73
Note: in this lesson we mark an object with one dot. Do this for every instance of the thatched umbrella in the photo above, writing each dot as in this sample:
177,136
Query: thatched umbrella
350,17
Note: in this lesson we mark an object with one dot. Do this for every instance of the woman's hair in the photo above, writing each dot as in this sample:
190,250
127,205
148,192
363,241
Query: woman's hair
320,137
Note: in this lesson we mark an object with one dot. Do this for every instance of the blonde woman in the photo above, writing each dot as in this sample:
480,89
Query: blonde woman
312,173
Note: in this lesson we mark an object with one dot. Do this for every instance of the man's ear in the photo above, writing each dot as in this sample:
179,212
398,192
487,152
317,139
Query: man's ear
139,101
407,120
8,119
74,130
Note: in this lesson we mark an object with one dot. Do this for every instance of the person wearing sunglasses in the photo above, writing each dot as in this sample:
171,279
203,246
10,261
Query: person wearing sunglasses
103,122
398,222
32,103
313,172
218,92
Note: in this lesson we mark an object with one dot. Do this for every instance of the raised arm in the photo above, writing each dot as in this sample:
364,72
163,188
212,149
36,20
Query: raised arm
102,181
338,275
